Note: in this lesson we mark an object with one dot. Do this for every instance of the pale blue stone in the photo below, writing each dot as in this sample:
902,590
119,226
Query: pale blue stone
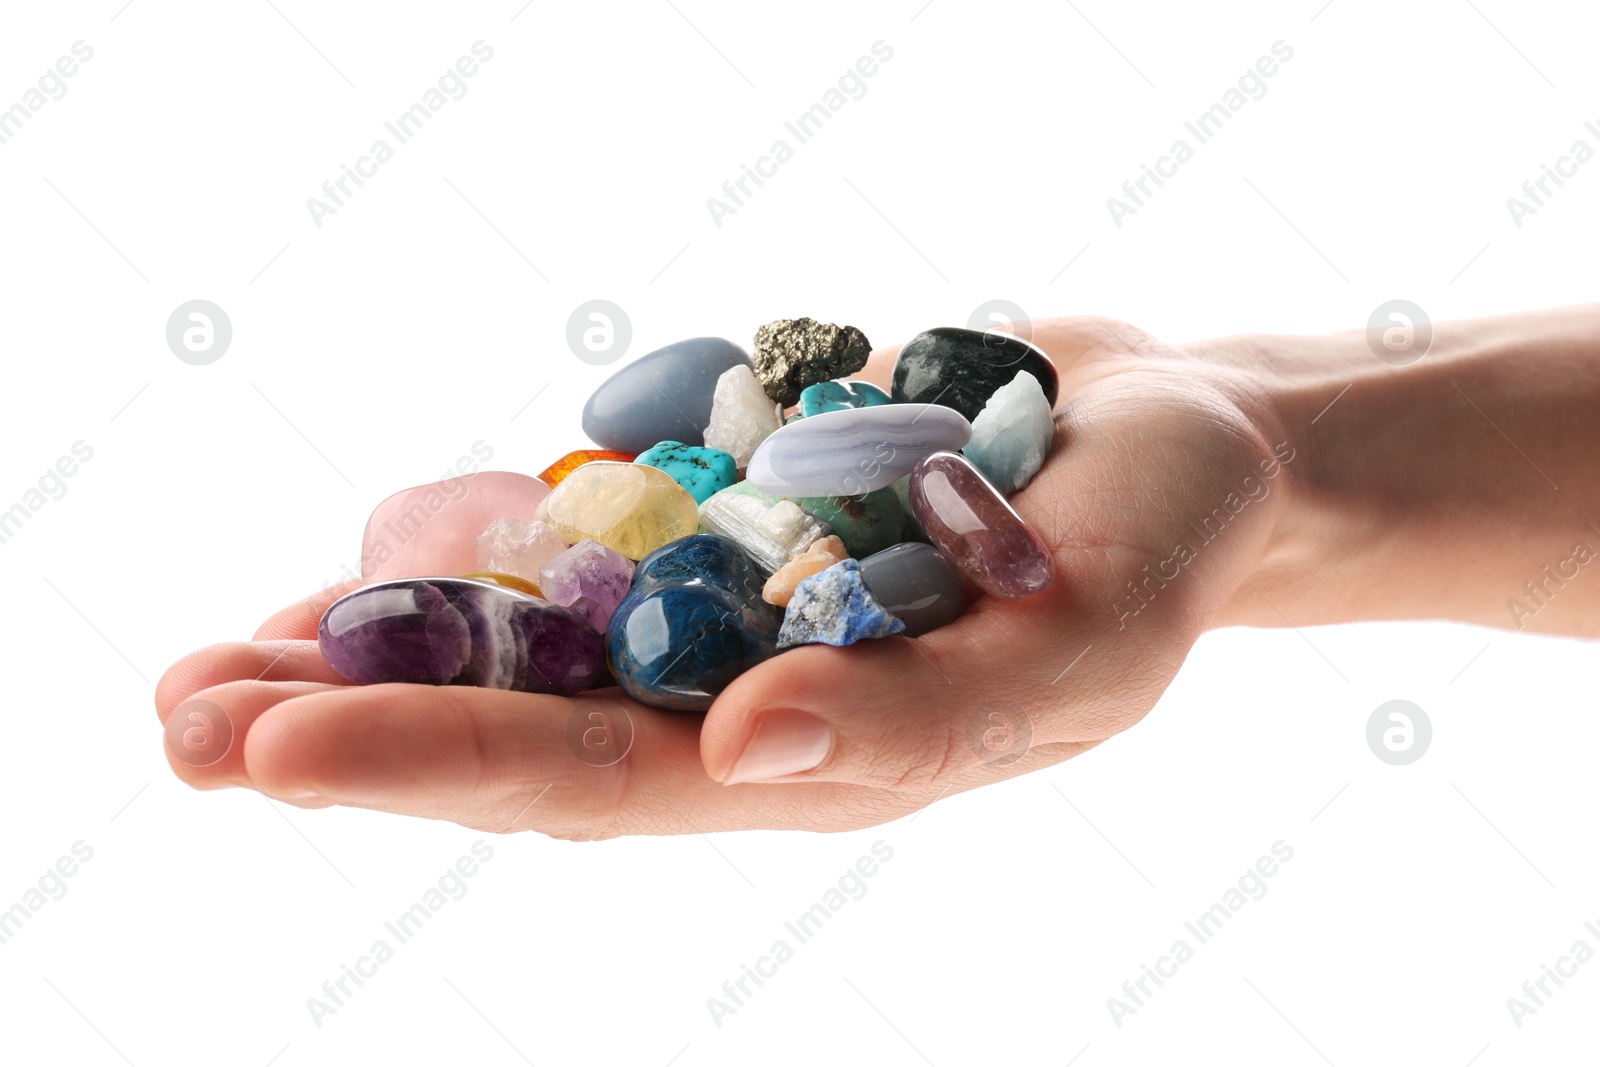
701,471
853,451
662,396
834,607
1012,434
837,396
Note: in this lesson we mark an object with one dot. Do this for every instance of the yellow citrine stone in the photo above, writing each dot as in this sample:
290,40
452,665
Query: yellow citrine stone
630,508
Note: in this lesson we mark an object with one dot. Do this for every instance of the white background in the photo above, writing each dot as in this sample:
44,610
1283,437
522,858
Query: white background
370,354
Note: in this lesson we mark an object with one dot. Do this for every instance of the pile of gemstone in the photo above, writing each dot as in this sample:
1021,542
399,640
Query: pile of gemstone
709,532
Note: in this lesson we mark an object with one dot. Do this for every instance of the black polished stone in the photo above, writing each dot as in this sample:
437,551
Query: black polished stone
961,368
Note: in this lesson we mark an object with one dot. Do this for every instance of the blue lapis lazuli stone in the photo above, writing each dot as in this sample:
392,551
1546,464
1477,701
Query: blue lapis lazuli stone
700,470
836,396
692,622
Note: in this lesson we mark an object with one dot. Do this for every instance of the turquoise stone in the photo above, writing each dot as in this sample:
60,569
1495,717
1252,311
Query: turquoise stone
836,396
866,524
700,470
693,621
834,607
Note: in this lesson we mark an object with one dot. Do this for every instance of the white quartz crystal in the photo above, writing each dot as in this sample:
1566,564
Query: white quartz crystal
773,532
742,415
517,547
1012,434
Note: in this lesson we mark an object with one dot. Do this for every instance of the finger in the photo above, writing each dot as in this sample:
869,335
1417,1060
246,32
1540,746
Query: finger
583,768
298,621
271,661
204,735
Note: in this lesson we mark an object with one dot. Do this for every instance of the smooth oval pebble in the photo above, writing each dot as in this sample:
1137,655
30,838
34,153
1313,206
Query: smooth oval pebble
916,584
968,520
662,396
837,396
857,450
459,631
961,369
432,529
630,508
692,622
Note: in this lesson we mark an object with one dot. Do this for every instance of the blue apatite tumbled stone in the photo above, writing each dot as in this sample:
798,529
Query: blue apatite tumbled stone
836,396
663,396
700,470
834,607
693,621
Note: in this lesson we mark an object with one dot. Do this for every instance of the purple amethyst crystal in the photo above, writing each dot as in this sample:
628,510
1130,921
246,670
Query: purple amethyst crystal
459,631
590,579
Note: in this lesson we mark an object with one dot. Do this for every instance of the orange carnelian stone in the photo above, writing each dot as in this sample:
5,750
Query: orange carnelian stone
570,462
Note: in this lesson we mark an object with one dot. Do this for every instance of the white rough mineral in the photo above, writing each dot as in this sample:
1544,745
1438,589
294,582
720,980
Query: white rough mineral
742,415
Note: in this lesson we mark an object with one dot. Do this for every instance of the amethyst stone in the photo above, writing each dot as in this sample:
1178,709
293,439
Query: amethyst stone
459,631
970,522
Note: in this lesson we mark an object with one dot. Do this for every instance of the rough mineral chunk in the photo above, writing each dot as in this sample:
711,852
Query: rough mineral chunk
794,353
834,607
590,579
1011,435
742,415
823,554
702,471
517,547
773,531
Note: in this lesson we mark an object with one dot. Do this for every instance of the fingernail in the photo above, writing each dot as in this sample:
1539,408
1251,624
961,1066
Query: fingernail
785,742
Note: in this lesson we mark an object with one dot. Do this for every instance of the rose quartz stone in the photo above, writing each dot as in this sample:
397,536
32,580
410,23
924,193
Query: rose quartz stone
429,530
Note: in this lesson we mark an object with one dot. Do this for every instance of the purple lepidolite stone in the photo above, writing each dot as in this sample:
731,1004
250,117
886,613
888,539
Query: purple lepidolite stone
968,520
459,631
590,579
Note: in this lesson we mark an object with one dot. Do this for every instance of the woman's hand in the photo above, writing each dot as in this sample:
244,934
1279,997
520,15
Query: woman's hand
1159,498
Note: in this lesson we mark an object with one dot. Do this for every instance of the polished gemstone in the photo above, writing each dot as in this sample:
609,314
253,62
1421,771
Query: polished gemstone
510,581
866,523
913,530
856,450
692,623
834,607
961,369
518,546
1012,434
970,522
836,396
570,462
916,584
742,415
773,531
791,354
430,529
700,470
822,554
663,396
458,631
590,579
628,507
